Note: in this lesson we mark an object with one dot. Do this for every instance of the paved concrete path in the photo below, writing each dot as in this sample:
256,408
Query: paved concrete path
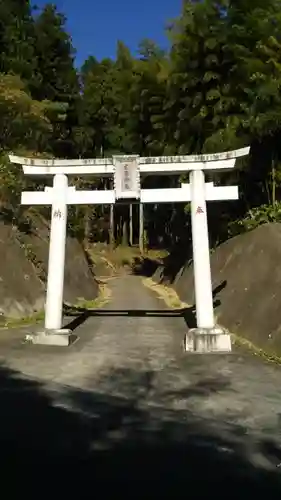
126,401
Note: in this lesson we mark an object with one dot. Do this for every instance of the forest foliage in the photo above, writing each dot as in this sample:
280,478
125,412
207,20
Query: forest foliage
217,88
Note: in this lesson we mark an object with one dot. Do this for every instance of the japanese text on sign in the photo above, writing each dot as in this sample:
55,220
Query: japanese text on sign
127,179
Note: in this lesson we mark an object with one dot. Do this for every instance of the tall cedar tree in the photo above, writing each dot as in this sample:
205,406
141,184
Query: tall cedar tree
17,40
59,79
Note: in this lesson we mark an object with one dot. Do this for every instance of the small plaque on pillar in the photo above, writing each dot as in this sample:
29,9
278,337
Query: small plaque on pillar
126,178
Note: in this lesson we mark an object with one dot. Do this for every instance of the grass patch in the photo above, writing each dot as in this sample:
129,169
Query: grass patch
102,299
166,293
33,319
257,351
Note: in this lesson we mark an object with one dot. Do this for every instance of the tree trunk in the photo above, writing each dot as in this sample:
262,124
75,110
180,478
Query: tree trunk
87,225
273,175
124,232
131,237
141,229
111,226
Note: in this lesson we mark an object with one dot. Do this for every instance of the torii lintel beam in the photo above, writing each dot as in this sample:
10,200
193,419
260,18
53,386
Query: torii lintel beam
105,167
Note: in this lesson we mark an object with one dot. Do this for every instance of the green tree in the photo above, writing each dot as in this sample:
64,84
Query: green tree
254,41
58,77
100,104
24,122
125,74
147,98
17,40
224,90
24,128
199,99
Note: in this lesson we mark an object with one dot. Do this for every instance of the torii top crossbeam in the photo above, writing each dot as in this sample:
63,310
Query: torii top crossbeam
106,167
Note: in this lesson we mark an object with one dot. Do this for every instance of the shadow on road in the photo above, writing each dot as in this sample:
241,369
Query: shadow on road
86,439
82,315
187,313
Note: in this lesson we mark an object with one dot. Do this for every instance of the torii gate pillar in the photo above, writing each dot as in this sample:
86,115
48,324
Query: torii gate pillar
207,337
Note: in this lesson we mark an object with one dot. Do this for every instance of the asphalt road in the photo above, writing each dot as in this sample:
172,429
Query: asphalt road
126,406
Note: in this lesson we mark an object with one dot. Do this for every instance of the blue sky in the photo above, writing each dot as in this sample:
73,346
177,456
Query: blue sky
96,25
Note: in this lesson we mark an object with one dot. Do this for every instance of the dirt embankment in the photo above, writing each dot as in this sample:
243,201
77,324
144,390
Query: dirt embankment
246,275
23,269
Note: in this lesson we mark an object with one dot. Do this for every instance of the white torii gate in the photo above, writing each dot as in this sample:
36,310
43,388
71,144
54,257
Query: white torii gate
127,171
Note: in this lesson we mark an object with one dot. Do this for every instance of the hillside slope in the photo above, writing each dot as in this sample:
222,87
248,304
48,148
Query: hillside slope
246,275
23,270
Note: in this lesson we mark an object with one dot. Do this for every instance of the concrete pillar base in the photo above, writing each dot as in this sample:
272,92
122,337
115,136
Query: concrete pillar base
61,338
207,340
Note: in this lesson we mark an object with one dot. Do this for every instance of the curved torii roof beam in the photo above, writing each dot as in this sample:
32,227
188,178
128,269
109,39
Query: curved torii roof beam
160,165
